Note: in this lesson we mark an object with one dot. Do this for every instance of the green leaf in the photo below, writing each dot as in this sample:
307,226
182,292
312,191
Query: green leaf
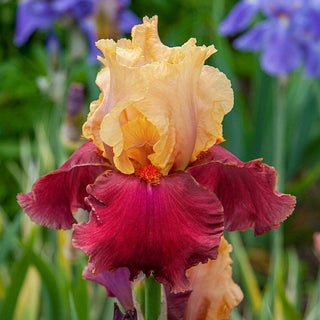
73,311
313,308
18,275
28,303
8,237
250,281
293,285
139,290
49,279
152,299
289,312
80,295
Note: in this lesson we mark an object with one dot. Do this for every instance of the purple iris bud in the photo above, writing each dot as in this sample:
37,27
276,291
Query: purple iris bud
53,47
76,99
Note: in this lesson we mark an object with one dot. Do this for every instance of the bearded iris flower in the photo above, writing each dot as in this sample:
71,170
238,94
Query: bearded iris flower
159,188
287,37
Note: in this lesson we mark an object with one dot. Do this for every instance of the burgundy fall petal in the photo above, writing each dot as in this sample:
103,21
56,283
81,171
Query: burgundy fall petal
165,228
246,190
176,304
56,195
117,284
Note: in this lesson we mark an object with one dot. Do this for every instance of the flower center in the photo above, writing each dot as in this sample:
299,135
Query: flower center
149,173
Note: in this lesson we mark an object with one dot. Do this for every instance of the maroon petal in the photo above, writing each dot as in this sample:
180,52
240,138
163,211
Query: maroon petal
176,304
246,190
117,284
164,228
56,195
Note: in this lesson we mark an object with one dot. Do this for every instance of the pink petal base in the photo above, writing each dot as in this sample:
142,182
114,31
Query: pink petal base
246,190
56,195
164,228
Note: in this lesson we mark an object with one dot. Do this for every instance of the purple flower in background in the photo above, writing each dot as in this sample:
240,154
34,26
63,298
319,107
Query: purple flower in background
35,15
287,38
240,17
126,18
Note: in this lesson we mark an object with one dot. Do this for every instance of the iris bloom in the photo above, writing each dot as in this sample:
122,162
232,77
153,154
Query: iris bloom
159,189
35,15
287,37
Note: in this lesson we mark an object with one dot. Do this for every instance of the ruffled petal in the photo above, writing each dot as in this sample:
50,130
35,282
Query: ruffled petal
165,228
246,190
239,18
164,92
117,284
55,196
215,100
214,294
170,88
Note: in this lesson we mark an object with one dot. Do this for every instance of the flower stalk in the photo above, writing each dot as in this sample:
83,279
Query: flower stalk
279,163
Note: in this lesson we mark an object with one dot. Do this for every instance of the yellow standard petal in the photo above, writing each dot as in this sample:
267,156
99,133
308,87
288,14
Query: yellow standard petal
159,105
214,294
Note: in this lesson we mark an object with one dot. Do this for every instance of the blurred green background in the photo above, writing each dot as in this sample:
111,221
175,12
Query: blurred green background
40,274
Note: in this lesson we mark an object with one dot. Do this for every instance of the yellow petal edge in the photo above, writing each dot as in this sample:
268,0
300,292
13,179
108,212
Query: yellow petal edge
158,105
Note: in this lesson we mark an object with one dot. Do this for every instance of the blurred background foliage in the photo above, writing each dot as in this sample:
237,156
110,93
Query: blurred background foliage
40,274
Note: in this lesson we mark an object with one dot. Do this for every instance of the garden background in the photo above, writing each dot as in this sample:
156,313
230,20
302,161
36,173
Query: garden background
40,275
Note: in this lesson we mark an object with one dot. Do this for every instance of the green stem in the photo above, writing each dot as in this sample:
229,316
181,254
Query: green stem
152,299
279,163
279,131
